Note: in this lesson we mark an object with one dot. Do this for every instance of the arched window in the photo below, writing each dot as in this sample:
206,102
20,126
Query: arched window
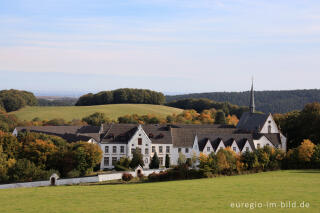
269,129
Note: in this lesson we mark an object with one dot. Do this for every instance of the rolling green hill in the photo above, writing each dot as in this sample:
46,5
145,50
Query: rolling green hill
113,111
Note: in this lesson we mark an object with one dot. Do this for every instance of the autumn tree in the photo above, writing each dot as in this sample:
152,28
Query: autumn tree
232,120
38,152
86,155
96,119
305,151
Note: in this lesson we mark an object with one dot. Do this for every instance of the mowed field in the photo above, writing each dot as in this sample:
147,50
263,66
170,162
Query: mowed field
202,195
113,111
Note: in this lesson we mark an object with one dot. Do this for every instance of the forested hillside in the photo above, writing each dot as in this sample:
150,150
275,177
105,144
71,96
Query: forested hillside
266,101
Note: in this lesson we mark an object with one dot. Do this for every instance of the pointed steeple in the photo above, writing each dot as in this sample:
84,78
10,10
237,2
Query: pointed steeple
252,105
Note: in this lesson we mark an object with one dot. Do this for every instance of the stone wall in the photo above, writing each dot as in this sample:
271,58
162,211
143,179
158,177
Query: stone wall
71,181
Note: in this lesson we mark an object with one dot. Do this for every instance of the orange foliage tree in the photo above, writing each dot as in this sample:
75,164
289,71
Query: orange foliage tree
305,150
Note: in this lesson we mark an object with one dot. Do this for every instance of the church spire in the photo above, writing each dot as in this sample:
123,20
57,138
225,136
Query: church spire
252,105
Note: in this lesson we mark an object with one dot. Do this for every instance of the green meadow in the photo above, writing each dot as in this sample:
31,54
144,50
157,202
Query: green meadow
202,195
113,111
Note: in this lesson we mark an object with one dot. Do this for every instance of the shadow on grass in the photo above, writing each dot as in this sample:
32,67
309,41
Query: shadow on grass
305,171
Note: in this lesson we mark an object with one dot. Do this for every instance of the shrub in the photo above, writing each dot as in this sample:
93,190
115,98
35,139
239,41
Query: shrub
118,167
73,173
127,177
24,170
141,176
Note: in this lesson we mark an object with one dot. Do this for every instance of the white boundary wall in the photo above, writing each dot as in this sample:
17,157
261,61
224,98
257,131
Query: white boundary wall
71,181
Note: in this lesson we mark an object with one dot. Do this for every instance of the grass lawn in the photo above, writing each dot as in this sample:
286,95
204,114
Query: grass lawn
204,195
113,111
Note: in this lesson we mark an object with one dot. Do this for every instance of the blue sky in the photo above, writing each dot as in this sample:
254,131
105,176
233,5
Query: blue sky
173,46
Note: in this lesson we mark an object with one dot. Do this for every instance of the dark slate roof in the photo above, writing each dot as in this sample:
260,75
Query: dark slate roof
120,133
69,133
202,143
227,139
182,137
252,122
158,134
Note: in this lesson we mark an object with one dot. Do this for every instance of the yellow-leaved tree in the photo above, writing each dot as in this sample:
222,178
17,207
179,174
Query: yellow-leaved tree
305,150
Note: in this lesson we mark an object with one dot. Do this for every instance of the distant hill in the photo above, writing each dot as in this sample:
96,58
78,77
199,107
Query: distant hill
113,111
56,101
266,101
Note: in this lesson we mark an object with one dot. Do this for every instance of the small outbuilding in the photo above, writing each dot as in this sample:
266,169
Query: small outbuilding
53,179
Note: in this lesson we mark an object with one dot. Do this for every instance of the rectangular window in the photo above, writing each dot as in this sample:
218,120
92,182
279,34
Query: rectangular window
258,145
167,149
208,149
161,161
114,161
146,160
153,149
146,151
132,150
106,149
114,149
139,141
160,149
247,149
121,149
106,161
179,149
187,150
234,149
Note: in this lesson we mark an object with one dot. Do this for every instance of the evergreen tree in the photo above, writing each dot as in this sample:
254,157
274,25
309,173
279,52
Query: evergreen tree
167,163
154,164
220,117
137,159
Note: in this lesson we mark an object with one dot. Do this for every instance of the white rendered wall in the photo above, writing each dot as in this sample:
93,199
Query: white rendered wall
246,145
270,122
263,141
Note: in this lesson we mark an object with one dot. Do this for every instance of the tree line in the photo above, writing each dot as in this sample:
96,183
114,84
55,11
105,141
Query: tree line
211,116
57,102
266,101
203,104
35,156
300,125
12,100
119,96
